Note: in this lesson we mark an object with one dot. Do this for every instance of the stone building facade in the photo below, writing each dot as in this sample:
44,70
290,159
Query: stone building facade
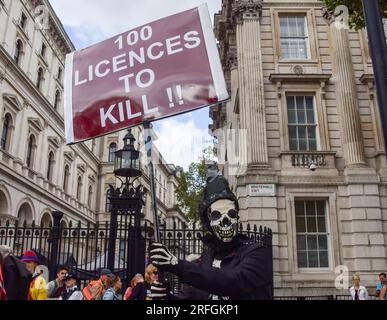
308,159
39,173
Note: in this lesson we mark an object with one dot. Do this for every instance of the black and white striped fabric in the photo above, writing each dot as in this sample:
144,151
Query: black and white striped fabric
158,291
161,256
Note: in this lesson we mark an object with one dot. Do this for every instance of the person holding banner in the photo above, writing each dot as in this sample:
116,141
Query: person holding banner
234,267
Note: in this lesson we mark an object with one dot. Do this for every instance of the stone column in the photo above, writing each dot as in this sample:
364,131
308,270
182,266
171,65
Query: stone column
252,105
347,101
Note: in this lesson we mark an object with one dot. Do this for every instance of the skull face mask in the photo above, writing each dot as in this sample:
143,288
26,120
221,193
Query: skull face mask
223,218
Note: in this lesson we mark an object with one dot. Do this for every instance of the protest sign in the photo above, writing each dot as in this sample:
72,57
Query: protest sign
166,67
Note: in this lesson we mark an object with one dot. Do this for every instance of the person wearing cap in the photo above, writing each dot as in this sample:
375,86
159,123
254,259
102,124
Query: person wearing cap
72,291
38,285
234,267
96,288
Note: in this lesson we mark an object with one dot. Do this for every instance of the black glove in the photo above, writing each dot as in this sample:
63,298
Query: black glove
161,256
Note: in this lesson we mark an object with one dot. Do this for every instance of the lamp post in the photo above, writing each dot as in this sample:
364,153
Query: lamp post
126,200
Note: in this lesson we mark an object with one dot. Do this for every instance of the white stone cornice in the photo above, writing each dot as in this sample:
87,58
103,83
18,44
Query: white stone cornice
246,9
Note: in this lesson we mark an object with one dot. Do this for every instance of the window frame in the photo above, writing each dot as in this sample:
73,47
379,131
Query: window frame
306,37
22,25
66,177
315,89
327,233
294,193
316,125
19,51
31,148
50,166
112,153
314,56
79,188
6,144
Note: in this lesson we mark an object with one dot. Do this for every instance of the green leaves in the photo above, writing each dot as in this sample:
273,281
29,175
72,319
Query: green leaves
355,8
191,184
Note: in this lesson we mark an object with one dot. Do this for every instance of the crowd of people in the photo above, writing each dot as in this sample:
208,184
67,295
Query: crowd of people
22,279
359,292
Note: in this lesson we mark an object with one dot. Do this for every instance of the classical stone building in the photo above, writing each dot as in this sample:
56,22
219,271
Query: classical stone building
39,173
309,144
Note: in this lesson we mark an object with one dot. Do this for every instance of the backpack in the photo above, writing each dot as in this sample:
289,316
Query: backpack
94,290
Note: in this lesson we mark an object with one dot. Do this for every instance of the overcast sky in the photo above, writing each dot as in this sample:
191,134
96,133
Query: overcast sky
181,138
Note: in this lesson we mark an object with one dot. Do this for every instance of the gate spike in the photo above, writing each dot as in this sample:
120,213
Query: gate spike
7,223
260,229
25,224
255,228
248,227
70,224
33,224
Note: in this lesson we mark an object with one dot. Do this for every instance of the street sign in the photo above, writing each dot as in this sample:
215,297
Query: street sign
164,68
261,190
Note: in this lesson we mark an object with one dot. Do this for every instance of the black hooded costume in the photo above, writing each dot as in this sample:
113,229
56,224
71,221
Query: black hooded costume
240,269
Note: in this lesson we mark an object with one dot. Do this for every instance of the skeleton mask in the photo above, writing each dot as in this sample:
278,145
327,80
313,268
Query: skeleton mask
223,218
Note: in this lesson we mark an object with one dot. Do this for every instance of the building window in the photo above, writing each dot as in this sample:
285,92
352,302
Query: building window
31,151
59,73
302,124
5,134
79,188
18,51
40,78
312,234
57,99
66,178
43,50
90,196
23,21
108,204
294,36
50,166
112,150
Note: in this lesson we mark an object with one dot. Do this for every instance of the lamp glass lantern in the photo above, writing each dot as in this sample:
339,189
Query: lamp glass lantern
127,160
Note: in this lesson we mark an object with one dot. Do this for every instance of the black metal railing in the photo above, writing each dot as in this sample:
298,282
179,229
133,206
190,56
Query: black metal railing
84,248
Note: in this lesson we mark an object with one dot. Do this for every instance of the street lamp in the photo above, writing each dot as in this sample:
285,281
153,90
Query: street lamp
126,200
127,160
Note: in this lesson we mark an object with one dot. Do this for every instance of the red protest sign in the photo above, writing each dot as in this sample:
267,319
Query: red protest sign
164,68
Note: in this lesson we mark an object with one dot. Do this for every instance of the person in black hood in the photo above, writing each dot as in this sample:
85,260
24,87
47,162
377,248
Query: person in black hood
233,267
16,277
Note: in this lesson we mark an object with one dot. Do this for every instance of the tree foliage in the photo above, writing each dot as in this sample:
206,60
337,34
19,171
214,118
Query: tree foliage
355,10
191,184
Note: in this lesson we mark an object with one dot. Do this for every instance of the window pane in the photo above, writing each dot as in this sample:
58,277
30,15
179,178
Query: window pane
290,103
311,224
322,243
312,242
311,133
301,242
292,116
310,116
309,103
293,144
324,262
299,207
300,20
313,259
320,205
300,224
310,208
321,224
292,132
301,117
300,103
302,259
312,145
